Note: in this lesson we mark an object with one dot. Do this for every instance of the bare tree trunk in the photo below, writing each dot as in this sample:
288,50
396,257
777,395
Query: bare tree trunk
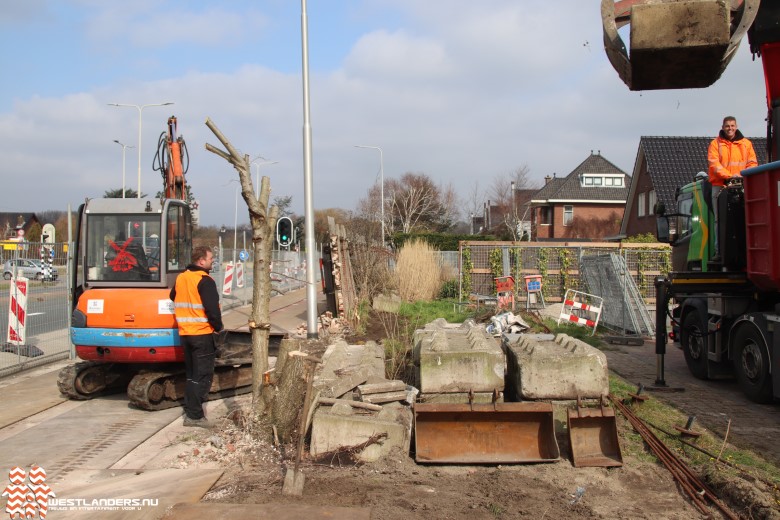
263,221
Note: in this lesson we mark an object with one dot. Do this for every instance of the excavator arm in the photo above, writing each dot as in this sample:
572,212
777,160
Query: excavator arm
170,162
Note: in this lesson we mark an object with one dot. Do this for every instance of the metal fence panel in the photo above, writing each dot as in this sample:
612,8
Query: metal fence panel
47,318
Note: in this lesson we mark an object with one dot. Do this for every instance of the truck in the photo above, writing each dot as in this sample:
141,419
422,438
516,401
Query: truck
128,253
727,307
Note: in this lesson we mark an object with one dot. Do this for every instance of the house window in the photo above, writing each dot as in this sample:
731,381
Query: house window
597,181
545,214
618,182
608,181
568,215
640,205
588,181
651,202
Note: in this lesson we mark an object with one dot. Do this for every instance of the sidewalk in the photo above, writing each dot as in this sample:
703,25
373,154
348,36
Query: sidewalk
714,403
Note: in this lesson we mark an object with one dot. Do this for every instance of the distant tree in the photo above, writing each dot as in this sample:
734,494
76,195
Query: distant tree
34,233
283,203
321,230
505,212
130,193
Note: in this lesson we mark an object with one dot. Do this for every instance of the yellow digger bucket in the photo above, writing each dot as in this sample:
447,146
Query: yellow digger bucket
593,437
498,433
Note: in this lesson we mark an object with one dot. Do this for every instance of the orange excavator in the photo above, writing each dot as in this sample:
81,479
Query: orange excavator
128,253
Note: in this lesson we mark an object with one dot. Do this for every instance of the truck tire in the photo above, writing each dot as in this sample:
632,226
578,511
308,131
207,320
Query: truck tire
693,338
751,364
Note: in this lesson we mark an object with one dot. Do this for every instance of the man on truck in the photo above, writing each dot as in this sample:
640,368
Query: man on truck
727,156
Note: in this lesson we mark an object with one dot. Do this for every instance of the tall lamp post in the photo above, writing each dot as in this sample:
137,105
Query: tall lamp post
124,147
140,109
381,184
257,175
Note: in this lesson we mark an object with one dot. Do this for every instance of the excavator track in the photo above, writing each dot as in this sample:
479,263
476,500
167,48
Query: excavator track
161,390
90,379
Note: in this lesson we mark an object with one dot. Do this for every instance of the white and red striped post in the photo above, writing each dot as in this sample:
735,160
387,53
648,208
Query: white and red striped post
239,274
227,285
17,311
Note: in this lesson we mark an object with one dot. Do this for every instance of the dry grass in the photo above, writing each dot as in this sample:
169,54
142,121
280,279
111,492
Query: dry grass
418,272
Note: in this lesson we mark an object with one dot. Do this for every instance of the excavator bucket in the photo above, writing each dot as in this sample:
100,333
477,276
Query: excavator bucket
593,437
674,44
498,433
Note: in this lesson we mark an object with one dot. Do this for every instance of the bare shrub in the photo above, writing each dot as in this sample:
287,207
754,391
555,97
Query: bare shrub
418,272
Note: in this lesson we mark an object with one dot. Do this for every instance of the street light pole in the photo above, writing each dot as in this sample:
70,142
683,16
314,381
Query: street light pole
382,184
124,147
140,109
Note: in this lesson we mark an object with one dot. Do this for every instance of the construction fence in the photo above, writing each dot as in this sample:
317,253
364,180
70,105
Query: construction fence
622,274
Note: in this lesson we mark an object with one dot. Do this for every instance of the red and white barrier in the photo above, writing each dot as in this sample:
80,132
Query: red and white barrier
240,274
581,308
227,285
17,311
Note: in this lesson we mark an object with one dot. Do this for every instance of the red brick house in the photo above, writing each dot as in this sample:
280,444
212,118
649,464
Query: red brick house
586,205
662,165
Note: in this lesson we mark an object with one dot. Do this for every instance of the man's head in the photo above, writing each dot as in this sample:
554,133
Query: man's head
202,256
729,126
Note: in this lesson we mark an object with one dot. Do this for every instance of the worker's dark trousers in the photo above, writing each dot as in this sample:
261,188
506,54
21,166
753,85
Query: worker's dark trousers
199,354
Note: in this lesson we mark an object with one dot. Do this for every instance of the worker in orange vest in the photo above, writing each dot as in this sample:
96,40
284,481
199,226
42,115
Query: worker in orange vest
198,316
727,155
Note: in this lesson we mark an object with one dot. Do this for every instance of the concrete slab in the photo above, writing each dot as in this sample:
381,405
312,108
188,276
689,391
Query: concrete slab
117,490
460,398
28,396
454,360
93,435
560,369
276,511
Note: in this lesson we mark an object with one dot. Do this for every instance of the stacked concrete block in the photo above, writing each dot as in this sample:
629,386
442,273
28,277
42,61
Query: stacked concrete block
344,367
563,368
459,361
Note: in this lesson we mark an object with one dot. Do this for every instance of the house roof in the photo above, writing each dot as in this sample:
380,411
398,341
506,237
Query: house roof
672,162
571,189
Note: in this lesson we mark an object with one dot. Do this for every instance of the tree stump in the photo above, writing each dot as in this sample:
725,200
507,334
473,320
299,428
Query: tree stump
290,394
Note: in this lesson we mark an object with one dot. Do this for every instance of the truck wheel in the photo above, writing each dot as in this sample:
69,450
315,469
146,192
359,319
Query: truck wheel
693,338
751,364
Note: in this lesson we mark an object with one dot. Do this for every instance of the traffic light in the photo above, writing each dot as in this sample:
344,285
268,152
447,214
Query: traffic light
285,234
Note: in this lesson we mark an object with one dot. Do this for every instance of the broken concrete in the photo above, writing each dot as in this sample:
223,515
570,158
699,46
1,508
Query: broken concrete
458,359
344,367
561,369
387,303
366,436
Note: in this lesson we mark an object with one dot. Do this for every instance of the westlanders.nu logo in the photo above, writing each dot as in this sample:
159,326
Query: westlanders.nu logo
27,501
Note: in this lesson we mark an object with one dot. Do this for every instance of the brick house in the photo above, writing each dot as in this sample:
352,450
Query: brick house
586,205
662,165
11,223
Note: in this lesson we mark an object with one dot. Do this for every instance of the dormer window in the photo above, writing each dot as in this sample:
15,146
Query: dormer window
595,180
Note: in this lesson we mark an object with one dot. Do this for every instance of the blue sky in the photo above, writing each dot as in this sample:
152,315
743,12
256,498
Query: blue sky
463,91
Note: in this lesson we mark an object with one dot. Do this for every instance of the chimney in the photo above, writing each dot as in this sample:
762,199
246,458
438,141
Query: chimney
547,179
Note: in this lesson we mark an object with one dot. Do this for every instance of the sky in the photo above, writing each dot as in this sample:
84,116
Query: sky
462,91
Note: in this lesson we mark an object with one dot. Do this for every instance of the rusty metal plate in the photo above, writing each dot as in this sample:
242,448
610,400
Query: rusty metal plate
499,433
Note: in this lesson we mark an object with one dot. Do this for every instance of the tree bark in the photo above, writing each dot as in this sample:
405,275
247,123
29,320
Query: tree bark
290,394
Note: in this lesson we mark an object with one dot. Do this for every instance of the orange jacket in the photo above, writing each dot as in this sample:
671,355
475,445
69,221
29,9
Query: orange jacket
727,158
188,305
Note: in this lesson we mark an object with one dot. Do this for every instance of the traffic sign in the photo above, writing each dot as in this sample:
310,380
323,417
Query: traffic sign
243,255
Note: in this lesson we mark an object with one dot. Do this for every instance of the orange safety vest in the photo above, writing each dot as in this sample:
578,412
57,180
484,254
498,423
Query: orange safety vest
188,306
727,158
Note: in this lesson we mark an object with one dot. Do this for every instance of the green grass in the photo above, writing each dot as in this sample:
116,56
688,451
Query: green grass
425,312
